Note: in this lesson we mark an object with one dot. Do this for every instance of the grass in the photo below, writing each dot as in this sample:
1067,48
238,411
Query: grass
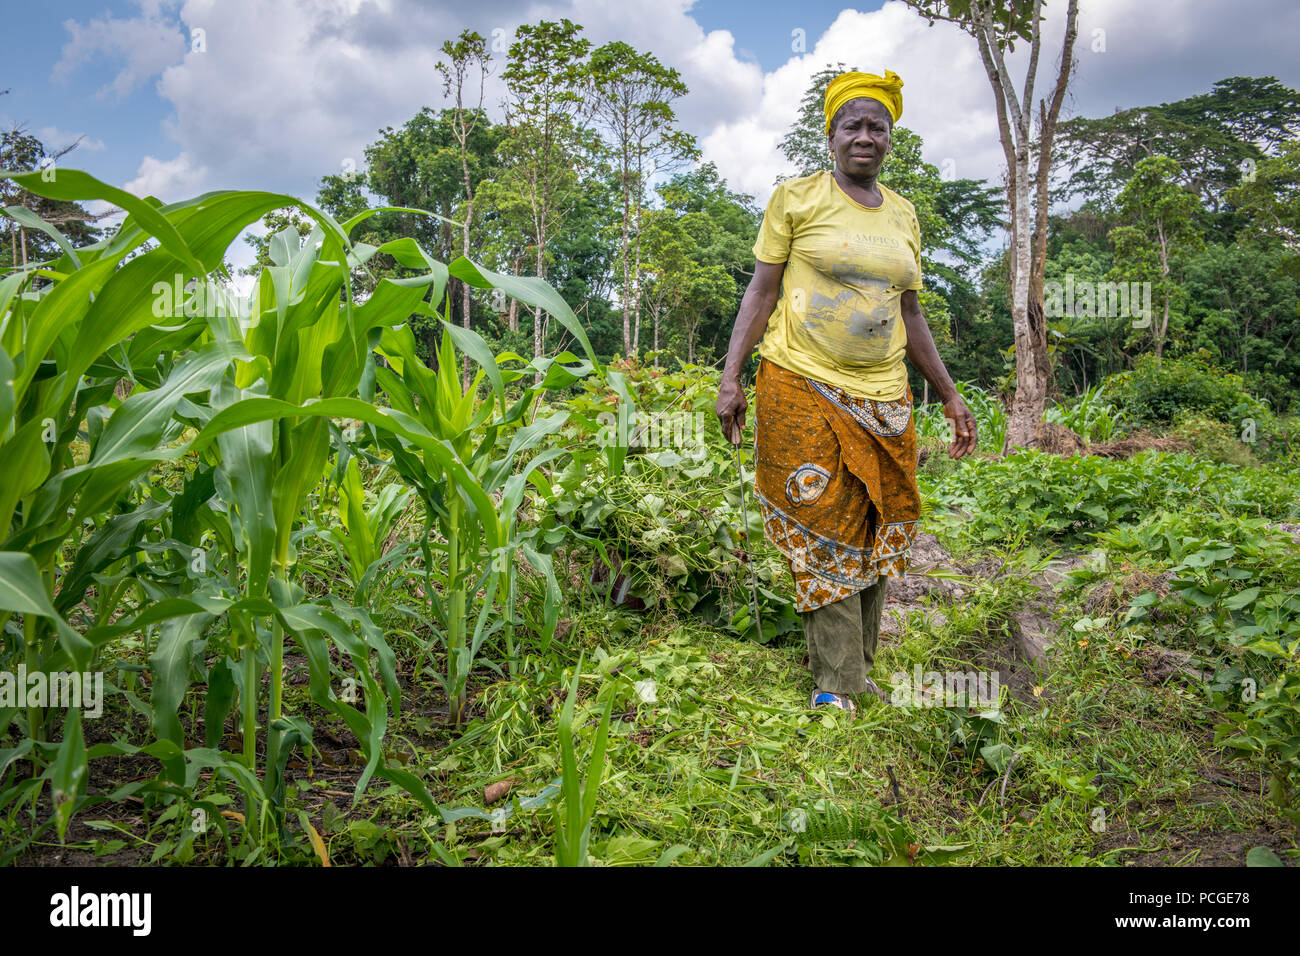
708,762
713,753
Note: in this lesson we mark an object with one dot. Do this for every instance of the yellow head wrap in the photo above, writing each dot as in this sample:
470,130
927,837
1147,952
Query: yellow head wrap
849,86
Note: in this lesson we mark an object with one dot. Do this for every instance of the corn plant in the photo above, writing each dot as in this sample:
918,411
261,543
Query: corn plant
1090,417
235,398
362,531
577,806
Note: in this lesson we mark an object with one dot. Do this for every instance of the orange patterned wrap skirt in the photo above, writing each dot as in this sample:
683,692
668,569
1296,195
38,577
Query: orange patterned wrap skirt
837,483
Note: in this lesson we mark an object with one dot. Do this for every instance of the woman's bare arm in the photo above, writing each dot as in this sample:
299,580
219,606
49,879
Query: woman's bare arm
922,354
751,322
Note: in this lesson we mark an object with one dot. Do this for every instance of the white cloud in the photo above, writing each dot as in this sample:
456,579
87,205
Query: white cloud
288,91
946,96
147,43
56,139
171,178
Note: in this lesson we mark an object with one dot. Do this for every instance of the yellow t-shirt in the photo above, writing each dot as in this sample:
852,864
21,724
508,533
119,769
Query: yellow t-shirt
838,320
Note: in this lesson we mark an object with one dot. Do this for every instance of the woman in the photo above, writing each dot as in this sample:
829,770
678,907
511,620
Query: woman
834,301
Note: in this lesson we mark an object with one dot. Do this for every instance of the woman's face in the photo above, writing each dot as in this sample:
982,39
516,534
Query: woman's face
860,137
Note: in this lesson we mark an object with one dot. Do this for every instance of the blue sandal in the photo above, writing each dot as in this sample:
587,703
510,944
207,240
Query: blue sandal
821,698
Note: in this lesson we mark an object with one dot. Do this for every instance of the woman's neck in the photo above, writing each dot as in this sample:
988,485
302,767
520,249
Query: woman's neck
867,187
865,183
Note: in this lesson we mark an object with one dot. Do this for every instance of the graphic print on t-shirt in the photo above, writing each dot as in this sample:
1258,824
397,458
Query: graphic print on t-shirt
850,312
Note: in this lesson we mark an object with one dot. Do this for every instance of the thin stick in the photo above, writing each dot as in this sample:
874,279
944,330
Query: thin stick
1002,794
898,795
749,555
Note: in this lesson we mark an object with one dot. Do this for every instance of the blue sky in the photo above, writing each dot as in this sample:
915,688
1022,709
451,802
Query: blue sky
127,128
289,90
759,33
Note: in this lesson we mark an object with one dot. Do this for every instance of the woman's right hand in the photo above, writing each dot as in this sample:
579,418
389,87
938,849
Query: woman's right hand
730,408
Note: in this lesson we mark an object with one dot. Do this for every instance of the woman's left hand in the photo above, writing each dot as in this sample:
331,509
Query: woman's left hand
963,427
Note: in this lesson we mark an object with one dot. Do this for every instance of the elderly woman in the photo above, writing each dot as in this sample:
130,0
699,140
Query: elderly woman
834,301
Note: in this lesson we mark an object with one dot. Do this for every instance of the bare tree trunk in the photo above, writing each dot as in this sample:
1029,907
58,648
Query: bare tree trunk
537,312
1033,368
656,338
1164,276
512,322
627,268
464,286
636,269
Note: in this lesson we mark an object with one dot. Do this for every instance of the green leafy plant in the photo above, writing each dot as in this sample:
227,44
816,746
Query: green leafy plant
577,807
235,400
1090,417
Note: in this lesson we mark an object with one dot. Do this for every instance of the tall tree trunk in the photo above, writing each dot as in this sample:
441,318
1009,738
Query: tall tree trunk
627,267
1161,332
512,320
1014,113
636,268
537,312
464,286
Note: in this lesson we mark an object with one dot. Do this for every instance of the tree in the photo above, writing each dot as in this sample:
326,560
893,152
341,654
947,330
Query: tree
421,166
467,54
804,146
544,111
683,285
501,236
633,94
1088,344
1243,308
20,150
1213,137
1270,198
418,166
1158,232
730,245
996,27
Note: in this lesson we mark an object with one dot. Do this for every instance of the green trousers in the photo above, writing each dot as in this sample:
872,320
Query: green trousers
842,639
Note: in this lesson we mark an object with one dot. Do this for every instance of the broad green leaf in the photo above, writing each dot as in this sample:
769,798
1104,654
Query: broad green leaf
6,391
72,185
170,666
1263,856
472,344
528,289
25,217
68,773
243,480
139,423
22,590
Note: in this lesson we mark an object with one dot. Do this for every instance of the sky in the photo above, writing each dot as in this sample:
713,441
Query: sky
173,98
